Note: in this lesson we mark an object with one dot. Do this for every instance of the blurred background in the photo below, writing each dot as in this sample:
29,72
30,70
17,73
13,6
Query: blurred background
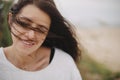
97,24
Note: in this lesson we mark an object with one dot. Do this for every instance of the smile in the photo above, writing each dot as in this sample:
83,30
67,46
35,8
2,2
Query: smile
28,43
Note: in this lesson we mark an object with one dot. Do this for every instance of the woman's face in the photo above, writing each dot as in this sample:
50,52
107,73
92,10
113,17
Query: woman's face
31,25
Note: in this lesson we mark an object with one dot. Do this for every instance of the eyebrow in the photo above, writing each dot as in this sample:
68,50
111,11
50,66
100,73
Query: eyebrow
29,20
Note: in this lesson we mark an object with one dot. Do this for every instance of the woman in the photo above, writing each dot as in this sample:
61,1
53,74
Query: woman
44,46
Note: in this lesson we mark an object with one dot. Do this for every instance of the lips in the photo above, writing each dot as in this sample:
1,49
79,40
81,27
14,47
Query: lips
28,43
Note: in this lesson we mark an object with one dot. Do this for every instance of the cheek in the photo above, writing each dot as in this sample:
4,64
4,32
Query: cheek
41,39
15,31
14,39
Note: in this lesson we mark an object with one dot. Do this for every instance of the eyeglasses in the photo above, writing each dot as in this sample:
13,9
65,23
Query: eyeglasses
26,24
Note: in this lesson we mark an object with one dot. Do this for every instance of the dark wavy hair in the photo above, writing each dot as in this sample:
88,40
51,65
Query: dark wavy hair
61,34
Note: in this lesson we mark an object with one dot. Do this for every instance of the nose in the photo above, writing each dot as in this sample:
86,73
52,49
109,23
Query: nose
30,34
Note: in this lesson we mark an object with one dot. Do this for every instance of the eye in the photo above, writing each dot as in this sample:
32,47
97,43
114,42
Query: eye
22,23
41,30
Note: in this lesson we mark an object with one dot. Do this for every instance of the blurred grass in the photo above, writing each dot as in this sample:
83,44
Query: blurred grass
92,70
5,38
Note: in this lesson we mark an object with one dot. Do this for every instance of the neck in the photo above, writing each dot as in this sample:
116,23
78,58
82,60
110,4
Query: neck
20,60
19,57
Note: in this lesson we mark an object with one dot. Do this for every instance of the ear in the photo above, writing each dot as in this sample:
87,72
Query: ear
9,19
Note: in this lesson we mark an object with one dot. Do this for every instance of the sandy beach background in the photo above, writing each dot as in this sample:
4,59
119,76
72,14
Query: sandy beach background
102,45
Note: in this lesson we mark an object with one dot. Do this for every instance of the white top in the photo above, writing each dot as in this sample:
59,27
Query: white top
62,67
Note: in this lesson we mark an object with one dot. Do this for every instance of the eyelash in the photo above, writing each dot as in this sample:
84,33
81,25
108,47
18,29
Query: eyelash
27,26
22,24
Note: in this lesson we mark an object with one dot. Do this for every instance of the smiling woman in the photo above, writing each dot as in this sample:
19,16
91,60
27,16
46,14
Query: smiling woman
43,44
31,30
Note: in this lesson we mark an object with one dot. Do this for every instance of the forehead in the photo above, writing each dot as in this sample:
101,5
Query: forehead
35,14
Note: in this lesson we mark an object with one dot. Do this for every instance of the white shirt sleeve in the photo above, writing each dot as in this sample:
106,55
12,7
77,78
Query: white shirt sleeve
76,74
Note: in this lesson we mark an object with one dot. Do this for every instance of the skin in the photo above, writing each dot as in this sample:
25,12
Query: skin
27,53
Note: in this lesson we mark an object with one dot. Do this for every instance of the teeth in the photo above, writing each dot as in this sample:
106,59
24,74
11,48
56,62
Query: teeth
28,43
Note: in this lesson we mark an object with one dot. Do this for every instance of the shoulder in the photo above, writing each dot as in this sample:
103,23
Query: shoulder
62,56
2,57
62,53
1,50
